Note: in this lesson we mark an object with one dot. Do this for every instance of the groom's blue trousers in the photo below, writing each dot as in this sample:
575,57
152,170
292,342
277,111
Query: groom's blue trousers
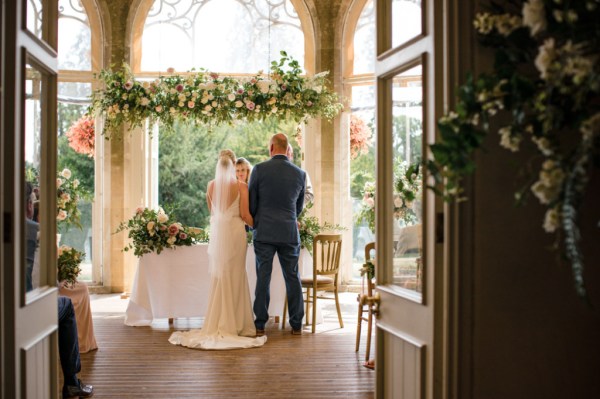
288,258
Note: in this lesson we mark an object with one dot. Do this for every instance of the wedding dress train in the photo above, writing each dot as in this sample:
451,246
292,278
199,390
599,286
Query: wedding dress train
229,320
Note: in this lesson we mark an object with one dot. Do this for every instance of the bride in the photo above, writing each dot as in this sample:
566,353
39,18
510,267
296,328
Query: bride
229,321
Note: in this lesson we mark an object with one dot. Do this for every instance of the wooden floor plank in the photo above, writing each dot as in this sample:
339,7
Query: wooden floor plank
139,362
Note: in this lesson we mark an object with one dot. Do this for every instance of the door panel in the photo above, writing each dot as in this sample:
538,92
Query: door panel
29,315
408,102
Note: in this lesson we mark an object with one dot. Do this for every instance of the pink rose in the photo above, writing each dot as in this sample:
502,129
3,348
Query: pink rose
191,104
170,70
240,91
128,85
283,87
182,235
214,75
253,80
173,229
309,103
250,105
179,87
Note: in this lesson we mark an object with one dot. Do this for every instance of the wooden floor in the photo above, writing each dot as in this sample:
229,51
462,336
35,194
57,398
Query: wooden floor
139,362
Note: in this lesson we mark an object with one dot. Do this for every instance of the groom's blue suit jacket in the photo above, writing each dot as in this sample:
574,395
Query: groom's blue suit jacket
276,199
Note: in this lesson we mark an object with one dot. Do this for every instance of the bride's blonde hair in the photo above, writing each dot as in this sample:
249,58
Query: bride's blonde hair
226,156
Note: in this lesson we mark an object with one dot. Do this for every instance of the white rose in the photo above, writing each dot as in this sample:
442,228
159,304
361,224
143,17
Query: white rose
144,101
171,240
239,104
546,54
150,226
162,217
263,86
534,16
370,202
552,220
397,202
211,86
66,173
75,183
59,182
231,97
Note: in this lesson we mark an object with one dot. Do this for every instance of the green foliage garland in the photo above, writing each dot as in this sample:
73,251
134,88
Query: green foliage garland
209,99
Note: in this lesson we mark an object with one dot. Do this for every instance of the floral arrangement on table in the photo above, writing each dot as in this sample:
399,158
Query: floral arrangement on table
360,136
408,185
68,263
310,226
82,135
69,193
546,83
154,230
207,98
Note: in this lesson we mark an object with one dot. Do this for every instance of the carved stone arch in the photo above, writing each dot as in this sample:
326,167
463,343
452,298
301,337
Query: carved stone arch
140,8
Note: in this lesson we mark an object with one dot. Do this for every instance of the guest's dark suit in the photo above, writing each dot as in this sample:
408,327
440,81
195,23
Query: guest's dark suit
276,199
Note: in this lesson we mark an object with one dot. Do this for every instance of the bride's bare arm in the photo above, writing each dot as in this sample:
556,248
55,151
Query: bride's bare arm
245,205
209,192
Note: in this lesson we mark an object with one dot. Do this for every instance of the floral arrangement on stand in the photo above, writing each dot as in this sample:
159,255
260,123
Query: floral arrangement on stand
69,193
408,185
207,98
82,134
68,263
153,230
546,82
360,136
367,209
408,189
310,226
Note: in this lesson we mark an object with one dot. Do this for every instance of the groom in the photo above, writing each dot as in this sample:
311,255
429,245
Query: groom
276,199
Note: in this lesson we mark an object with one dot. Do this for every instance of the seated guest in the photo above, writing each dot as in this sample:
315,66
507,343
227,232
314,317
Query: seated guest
68,350
80,297
31,231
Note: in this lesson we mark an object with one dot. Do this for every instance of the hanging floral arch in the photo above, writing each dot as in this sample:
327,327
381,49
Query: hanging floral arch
206,98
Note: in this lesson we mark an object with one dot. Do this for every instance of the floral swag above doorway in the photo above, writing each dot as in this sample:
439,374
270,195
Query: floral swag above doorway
209,99
545,90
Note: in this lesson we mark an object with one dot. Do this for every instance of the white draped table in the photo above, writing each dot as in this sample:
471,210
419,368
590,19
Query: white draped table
175,284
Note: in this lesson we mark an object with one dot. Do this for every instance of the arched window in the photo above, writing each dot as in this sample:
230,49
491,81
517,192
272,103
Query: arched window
359,87
230,37
79,57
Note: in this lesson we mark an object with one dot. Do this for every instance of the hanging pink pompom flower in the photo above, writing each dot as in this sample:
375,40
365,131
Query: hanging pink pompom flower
360,136
82,135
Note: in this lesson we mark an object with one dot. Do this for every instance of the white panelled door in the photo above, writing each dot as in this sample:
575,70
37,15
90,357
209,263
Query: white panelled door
408,104
28,112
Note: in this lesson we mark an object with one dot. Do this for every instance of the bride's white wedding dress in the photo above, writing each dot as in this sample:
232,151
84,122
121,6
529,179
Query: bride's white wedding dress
229,320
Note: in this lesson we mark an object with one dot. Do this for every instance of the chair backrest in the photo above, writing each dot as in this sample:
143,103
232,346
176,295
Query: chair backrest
369,249
327,249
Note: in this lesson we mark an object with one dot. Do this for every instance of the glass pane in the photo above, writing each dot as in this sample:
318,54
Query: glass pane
74,37
362,172
247,40
34,17
76,152
407,130
407,17
364,40
34,277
